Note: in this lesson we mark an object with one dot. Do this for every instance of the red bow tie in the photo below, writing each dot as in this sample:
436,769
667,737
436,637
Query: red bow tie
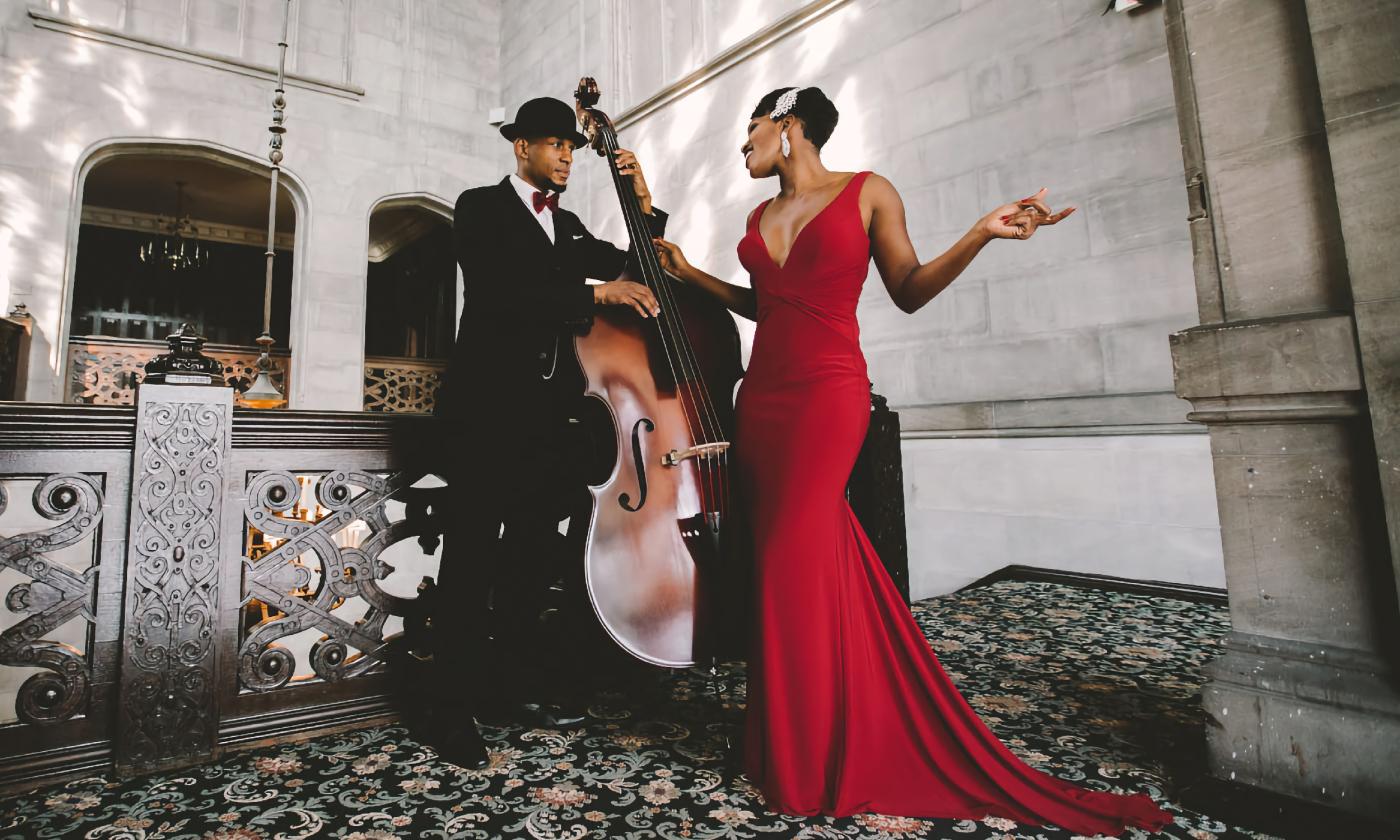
541,201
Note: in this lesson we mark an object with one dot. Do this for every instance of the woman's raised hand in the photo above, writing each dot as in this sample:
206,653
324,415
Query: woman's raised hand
1020,219
672,258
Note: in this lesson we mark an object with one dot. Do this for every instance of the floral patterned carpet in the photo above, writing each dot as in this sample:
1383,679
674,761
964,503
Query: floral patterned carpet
1097,687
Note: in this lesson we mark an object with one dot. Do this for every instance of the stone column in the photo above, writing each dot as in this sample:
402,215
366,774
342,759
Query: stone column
1357,47
1304,699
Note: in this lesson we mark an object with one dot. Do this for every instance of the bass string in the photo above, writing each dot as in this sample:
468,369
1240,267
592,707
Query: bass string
634,233
705,407
699,399
654,274
674,337
651,270
696,395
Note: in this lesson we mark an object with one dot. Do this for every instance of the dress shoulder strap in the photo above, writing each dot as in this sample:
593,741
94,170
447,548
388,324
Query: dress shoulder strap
857,180
757,213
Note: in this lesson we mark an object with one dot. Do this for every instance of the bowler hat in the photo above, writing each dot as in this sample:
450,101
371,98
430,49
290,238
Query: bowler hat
544,117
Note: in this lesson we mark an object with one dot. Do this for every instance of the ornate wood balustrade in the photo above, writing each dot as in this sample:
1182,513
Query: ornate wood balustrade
182,578
105,371
395,384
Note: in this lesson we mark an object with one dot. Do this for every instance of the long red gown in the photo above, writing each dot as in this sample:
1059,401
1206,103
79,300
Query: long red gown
849,710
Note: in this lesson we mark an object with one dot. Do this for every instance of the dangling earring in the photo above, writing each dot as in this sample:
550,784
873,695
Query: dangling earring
787,147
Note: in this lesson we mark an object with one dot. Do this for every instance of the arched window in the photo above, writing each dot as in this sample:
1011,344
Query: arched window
410,304
169,237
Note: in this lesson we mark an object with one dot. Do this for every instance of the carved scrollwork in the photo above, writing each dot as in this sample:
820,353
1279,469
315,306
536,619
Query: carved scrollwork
271,668
279,581
402,385
173,570
54,595
106,371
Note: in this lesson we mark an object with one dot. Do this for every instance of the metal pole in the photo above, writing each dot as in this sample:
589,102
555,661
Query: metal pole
279,103
262,393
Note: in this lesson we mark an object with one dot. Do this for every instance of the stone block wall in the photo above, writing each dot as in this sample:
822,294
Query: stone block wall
963,105
1058,343
384,99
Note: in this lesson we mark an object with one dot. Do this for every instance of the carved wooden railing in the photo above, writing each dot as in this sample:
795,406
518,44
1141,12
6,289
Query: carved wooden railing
104,371
402,385
254,577
184,578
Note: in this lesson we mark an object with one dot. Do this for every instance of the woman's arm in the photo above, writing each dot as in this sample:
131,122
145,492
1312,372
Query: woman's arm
739,299
912,284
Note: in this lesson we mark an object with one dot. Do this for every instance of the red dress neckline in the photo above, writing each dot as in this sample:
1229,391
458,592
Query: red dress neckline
763,208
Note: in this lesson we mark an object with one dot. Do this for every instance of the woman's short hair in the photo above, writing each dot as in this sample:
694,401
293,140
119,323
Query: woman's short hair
817,113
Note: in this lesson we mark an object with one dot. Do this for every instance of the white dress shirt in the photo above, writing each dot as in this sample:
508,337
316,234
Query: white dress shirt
527,192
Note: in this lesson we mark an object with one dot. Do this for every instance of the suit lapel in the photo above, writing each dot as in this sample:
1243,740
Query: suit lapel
517,210
563,227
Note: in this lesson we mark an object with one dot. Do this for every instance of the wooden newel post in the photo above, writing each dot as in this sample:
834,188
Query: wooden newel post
167,705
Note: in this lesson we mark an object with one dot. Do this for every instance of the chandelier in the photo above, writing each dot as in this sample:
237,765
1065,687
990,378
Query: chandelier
176,245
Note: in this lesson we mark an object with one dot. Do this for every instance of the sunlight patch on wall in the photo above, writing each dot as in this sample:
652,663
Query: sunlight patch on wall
741,22
818,45
848,148
7,261
700,230
18,210
65,152
46,291
80,55
22,90
760,82
106,13
689,119
132,95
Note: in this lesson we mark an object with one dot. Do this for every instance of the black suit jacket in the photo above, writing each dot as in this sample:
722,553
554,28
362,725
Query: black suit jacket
512,376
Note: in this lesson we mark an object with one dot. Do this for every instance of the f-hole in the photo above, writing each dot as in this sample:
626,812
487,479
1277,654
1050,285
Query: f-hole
625,499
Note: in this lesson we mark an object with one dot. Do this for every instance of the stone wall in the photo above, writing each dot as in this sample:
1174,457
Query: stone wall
963,105
1054,345
385,99
1293,369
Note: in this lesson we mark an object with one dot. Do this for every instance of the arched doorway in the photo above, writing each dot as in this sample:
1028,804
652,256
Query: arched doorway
410,303
168,236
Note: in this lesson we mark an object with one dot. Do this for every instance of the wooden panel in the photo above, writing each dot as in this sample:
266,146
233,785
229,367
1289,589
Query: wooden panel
63,711
168,705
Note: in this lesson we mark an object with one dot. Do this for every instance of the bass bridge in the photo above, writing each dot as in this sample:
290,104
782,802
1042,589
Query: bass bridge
704,450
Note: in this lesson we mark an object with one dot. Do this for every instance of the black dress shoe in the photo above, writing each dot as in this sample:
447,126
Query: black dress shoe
551,716
464,748
499,714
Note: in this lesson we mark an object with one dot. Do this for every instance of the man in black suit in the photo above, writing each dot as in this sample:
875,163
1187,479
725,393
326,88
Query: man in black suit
512,384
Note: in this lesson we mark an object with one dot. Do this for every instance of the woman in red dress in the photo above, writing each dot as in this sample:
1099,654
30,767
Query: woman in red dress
849,710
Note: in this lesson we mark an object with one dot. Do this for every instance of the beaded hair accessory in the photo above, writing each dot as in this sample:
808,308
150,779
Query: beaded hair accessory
785,104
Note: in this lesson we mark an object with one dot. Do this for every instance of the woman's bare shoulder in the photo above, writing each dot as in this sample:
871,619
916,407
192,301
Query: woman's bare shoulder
877,192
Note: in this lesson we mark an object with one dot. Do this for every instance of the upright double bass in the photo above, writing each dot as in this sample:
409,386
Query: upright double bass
660,530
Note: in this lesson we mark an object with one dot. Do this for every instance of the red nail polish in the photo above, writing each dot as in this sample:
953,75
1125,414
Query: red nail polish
1004,218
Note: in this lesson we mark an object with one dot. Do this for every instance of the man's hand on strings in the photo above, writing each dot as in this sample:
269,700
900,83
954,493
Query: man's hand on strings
627,293
628,165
